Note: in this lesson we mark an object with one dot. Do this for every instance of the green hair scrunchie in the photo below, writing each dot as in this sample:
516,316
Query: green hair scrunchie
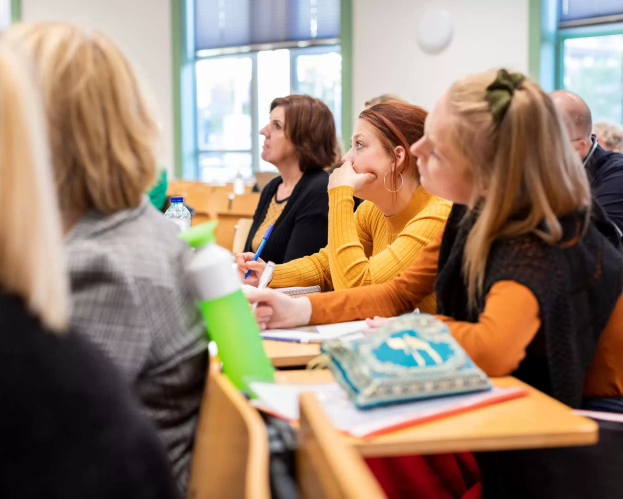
500,92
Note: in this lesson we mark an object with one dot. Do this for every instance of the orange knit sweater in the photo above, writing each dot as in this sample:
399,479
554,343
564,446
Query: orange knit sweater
498,342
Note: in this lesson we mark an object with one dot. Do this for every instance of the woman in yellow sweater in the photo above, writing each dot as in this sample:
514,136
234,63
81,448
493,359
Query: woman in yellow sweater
388,231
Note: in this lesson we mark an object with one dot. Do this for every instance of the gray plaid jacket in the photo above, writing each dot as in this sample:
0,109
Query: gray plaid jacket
131,298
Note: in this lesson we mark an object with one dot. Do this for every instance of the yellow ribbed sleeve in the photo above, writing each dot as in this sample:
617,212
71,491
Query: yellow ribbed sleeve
366,247
397,240
308,271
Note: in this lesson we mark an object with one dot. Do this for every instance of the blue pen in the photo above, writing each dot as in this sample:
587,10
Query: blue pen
260,249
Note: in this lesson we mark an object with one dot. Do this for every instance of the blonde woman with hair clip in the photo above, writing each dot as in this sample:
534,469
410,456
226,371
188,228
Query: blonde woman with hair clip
71,428
129,291
529,279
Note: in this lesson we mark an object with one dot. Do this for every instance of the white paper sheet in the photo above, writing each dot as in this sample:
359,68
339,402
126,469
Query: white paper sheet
283,400
318,333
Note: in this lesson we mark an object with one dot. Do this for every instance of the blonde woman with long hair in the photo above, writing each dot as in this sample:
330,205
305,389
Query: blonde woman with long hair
129,292
528,277
70,426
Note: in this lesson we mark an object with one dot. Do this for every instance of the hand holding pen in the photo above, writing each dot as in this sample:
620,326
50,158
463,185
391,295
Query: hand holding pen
249,263
267,276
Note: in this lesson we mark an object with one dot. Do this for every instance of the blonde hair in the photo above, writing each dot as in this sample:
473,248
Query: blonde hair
525,164
102,133
609,135
31,248
380,99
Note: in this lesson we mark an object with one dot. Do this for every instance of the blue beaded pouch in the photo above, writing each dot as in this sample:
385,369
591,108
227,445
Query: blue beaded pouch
413,357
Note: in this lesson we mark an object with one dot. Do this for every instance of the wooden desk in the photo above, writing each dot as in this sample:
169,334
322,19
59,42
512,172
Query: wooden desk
533,421
285,354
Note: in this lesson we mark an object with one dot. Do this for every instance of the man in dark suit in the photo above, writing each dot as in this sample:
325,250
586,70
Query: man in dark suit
604,168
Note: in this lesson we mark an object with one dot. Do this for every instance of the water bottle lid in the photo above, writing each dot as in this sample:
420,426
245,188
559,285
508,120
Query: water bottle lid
177,200
200,236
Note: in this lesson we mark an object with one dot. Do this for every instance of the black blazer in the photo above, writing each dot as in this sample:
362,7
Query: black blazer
605,172
303,227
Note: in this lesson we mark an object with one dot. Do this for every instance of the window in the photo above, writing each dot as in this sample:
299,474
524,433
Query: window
590,52
7,13
244,54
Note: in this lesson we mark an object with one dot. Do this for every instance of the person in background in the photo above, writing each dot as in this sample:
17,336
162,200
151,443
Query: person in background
129,290
158,193
300,141
390,229
609,136
518,263
383,98
70,426
604,168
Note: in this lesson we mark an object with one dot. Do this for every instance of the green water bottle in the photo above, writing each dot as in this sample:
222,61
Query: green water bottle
227,312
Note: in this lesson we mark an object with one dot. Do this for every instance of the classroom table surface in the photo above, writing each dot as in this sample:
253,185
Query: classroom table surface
532,421
288,354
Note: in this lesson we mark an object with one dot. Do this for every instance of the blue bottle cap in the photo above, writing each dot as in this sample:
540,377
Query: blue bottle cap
177,200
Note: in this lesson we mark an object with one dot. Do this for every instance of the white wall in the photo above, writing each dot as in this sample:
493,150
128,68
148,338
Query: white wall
142,28
487,34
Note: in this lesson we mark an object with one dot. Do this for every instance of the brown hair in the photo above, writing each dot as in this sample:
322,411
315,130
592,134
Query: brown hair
397,124
525,164
310,126
384,98
102,132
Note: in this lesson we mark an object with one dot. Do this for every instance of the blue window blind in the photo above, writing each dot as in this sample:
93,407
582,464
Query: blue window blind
578,10
234,23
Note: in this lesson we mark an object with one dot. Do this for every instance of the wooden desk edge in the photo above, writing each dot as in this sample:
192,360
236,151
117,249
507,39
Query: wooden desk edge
291,360
377,448
587,432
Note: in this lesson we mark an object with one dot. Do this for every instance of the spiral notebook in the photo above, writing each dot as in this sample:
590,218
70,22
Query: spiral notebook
297,292
317,334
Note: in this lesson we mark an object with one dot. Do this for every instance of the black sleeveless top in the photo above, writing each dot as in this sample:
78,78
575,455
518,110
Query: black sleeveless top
577,284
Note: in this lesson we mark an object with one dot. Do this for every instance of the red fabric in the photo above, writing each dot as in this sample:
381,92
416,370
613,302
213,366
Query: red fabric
442,476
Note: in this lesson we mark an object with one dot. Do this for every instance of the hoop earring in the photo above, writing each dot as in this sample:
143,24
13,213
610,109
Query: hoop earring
402,182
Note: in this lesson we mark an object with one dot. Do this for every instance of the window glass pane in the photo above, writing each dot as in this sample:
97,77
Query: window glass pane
593,68
273,80
5,13
220,168
224,103
320,75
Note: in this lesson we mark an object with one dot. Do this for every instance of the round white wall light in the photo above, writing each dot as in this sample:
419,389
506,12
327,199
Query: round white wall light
434,31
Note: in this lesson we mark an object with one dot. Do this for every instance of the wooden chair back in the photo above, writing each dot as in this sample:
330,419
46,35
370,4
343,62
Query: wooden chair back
243,227
231,454
246,203
327,466
209,201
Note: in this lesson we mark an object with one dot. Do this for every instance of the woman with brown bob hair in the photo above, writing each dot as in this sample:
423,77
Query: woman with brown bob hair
300,141
128,291
390,229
